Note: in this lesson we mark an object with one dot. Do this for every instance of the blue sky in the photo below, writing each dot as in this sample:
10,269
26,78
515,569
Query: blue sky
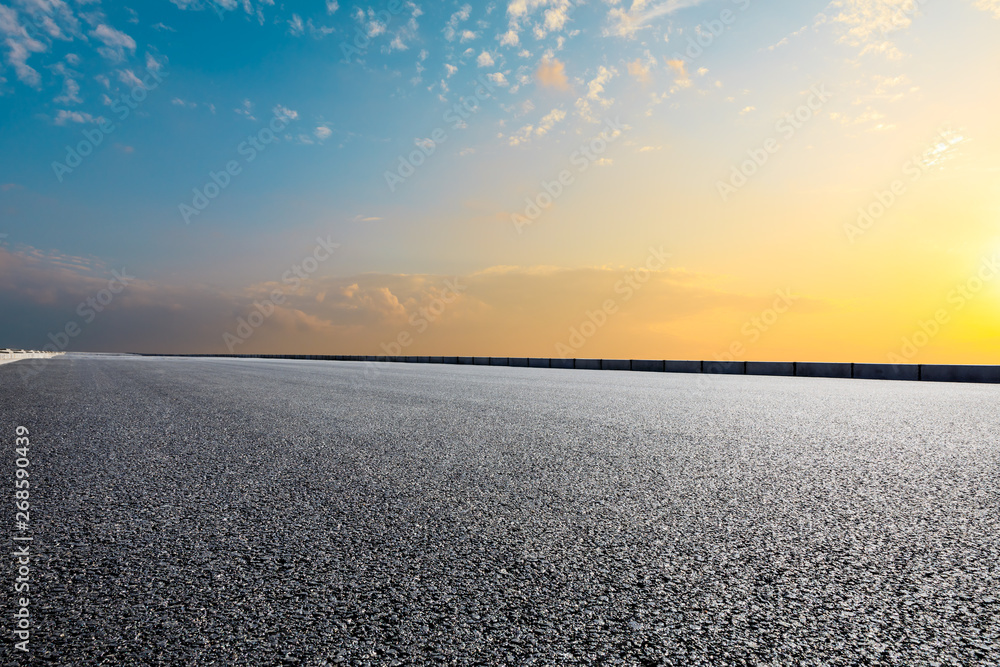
352,118
357,86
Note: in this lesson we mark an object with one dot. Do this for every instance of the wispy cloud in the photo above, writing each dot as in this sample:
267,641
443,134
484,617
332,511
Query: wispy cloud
116,43
451,28
868,24
284,113
595,91
20,46
544,125
681,77
246,110
992,6
64,116
624,23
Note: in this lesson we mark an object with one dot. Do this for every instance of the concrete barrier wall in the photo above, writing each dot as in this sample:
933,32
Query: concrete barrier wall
682,366
887,372
724,367
648,366
987,374
897,372
770,368
823,370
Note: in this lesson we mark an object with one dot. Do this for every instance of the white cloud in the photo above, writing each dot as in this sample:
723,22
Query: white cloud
255,11
20,46
557,16
129,78
70,94
992,6
451,28
549,121
371,25
524,134
426,142
521,136
867,24
681,78
323,132
246,109
64,116
152,64
485,59
36,24
295,26
509,38
595,88
553,19
332,6
519,8
116,43
596,85
284,113
624,23
71,89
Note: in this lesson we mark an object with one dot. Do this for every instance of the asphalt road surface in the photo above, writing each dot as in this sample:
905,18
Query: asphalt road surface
217,511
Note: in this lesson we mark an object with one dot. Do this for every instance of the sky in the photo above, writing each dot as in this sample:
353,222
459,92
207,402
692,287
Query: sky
682,179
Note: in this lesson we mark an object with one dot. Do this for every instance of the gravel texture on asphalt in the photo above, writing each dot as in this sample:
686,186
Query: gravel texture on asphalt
218,511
